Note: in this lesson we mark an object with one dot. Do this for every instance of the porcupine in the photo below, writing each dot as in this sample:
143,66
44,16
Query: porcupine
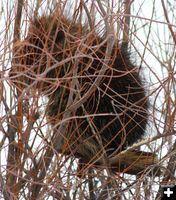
114,116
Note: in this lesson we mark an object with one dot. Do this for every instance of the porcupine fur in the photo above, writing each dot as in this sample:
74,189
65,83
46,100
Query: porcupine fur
114,116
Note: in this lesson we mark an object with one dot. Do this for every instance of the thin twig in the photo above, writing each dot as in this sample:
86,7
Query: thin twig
169,173
168,22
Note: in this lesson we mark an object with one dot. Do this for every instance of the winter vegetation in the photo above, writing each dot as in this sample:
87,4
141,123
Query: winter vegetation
41,155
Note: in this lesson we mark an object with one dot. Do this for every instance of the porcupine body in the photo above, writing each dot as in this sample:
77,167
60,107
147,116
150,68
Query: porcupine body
114,116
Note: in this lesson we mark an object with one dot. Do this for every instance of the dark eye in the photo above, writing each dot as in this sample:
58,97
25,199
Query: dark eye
60,36
39,44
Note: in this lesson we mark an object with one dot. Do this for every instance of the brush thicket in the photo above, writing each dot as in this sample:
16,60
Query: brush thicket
57,52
